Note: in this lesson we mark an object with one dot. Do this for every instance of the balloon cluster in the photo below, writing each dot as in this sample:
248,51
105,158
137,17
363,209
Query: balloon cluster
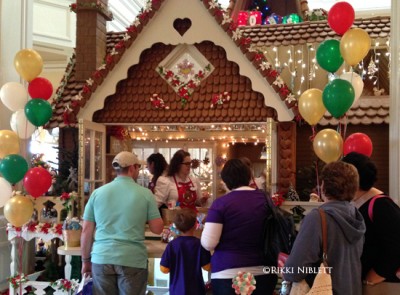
340,93
27,115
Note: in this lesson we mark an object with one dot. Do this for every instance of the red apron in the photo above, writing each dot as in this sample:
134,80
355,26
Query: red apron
187,194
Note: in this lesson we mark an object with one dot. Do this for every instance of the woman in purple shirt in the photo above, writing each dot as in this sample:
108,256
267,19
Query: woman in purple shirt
233,226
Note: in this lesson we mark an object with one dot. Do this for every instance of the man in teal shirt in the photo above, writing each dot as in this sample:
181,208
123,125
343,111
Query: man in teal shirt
112,241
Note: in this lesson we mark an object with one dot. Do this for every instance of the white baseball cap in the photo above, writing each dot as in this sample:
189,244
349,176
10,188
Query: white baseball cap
126,159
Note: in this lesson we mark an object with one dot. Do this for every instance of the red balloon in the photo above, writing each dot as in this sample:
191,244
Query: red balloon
40,88
37,181
358,142
341,17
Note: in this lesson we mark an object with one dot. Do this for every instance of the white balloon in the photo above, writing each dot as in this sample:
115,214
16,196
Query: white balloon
14,96
356,81
5,191
21,125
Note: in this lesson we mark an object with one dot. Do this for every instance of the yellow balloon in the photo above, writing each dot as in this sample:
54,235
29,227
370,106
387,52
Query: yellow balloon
311,106
354,46
28,63
328,145
9,143
18,210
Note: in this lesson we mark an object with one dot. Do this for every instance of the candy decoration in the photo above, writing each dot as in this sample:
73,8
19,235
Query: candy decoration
244,283
274,19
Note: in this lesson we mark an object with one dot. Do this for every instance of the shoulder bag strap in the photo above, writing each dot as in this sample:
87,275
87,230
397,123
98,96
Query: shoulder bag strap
324,236
371,206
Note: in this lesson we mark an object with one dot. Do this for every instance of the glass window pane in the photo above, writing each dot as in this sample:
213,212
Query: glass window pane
87,154
166,153
98,173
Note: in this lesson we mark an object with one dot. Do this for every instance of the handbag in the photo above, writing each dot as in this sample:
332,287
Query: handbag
322,284
85,286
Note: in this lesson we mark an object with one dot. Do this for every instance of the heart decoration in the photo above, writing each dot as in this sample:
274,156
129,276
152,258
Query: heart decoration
182,25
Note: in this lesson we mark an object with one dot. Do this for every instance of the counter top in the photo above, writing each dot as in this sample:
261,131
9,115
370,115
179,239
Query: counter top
155,249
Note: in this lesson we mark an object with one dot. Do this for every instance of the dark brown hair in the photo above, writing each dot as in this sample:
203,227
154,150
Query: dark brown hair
185,219
367,170
235,174
176,161
340,181
160,165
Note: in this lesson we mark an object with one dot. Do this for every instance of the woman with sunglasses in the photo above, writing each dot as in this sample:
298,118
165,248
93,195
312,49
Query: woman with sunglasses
178,186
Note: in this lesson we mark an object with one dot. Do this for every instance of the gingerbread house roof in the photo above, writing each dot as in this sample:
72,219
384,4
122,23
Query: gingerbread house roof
311,32
124,84
247,76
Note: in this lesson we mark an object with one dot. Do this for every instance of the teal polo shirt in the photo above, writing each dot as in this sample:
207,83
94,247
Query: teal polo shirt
120,210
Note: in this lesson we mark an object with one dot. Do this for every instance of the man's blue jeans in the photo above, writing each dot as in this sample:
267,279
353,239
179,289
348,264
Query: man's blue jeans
109,279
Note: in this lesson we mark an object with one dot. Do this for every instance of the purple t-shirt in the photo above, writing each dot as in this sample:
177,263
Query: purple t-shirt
241,213
185,256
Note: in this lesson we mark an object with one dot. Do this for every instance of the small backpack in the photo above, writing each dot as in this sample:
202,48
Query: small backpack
279,233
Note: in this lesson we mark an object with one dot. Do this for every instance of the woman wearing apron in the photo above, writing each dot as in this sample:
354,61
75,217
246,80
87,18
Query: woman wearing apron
178,188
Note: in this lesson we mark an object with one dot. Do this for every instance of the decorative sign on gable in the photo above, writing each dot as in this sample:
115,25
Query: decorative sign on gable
184,69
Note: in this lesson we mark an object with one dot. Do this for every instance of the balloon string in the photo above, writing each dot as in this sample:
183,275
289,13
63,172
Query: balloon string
311,138
344,126
317,176
20,257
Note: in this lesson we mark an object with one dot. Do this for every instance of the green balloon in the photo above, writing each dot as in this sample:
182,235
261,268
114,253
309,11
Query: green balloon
328,55
338,96
38,111
13,168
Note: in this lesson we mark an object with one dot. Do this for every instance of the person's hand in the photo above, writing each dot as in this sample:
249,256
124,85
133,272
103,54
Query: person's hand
86,268
373,278
204,198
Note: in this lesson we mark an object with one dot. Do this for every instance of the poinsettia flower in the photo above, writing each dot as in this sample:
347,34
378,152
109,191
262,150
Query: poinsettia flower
102,67
109,59
65,196
182,92
120,44
169,74
85,89
284,91
213,4
132,28
136,23
89,81
259,56
219,12
127,37
233,26
175,82
226,19
237,34
245,41
279,82
74,104
273,73
113,52
265,65
191,84
143,15
290,98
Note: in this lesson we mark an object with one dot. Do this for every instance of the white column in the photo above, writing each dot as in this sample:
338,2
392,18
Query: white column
394,124
15,34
